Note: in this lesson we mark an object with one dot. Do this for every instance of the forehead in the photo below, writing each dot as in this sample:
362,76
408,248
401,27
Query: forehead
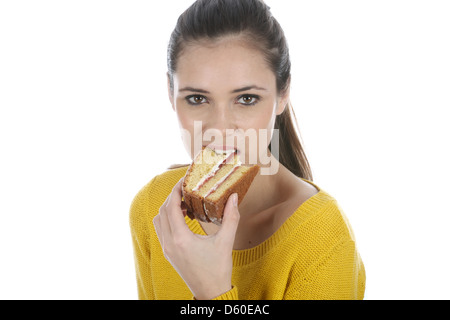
226,63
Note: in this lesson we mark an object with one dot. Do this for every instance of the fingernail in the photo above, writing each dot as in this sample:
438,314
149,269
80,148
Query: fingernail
235,199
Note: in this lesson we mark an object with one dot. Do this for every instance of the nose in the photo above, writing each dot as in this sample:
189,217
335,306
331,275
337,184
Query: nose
221,119
220,125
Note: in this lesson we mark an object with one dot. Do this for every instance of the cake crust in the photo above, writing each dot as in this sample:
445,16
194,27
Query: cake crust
193,201
214,209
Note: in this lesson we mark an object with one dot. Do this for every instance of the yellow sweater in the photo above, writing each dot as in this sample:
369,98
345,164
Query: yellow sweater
312,255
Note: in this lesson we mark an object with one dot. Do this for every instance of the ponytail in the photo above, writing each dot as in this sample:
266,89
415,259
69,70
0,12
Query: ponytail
291,153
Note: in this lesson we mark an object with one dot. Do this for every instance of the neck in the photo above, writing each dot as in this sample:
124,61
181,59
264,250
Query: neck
263,190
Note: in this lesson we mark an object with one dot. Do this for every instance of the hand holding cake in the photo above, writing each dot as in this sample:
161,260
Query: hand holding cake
204,262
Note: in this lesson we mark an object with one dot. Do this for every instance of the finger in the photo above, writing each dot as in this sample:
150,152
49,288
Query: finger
174,210
174,189
230,220
161,221
168,204
164,224
174,199
163,227
157,225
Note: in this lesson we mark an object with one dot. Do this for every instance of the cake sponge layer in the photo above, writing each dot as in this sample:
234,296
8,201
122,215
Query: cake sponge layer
205,162
211,179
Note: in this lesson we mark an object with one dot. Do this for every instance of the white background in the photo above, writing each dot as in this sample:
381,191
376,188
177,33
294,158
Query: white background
85,122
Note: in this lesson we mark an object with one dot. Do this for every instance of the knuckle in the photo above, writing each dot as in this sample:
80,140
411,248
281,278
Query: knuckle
179,241
171,206
156,220
167,252
234,217
161,211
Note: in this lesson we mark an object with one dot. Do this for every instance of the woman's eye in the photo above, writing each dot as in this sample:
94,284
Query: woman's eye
196,99
248,99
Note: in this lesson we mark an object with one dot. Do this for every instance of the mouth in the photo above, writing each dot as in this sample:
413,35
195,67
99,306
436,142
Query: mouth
222,148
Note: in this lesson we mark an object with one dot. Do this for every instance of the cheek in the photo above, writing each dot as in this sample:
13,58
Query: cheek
186,127
191,134
260,129
263,119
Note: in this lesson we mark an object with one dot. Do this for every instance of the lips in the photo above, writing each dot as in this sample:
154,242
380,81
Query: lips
221,148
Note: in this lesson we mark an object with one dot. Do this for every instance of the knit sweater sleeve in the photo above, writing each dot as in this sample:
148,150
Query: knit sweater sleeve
337,275
229,295
140,240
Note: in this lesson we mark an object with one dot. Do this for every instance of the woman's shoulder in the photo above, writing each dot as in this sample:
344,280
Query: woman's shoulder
321,215
152,195
162,184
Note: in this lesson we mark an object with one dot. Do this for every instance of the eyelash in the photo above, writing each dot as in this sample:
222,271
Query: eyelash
188,99
253,96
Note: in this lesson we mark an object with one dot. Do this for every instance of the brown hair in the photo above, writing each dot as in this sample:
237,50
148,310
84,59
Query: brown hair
212,19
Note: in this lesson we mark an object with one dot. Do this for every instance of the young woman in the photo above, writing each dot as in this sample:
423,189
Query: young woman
229,67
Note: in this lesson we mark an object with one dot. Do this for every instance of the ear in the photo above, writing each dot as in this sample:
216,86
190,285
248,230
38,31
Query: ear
283,99
170,91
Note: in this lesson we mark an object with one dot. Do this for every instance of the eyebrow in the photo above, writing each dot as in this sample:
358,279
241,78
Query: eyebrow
193,90
248,88
234,91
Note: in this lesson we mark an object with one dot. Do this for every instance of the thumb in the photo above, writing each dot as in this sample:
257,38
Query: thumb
230,219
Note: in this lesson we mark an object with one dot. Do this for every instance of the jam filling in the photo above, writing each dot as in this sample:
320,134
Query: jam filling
214,171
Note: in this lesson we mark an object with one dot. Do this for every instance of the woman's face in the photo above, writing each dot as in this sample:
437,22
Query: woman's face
225,96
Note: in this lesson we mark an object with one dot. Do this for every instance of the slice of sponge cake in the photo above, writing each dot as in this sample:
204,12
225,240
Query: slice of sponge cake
211,178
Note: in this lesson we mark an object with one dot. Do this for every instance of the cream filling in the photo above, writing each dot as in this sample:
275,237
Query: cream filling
218,183
211,173
213,170
216,186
